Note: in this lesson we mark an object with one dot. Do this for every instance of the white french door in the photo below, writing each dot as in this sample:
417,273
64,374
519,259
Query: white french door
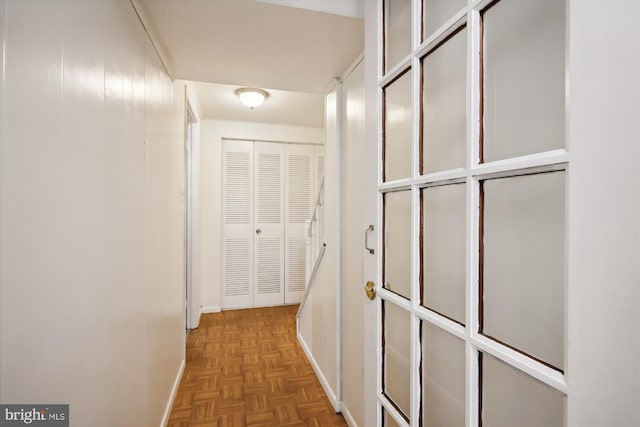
468,200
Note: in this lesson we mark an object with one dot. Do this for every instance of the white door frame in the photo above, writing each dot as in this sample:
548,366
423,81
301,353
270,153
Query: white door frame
191,310
370,263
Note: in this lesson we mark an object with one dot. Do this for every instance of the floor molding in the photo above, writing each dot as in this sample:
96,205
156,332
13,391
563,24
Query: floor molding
172,396
348,417
211,309
323,381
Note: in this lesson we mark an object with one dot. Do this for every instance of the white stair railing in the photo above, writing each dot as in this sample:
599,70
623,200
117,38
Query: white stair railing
315,232
315,243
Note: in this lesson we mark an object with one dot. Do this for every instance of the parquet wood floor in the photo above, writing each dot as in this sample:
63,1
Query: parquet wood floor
245,368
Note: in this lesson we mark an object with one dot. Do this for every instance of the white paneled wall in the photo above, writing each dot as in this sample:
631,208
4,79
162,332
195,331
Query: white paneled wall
604,210
353,297
319,319
92,196
330,326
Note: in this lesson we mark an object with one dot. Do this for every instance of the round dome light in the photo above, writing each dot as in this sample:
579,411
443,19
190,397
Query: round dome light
252,97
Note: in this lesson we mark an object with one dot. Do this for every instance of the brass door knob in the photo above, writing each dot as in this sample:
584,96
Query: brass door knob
370,289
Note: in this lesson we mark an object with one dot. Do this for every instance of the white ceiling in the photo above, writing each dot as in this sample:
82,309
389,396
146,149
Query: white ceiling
256,43
352,8
296,108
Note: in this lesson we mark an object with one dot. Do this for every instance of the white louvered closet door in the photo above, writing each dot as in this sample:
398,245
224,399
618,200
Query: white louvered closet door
237,250
269,224
299,201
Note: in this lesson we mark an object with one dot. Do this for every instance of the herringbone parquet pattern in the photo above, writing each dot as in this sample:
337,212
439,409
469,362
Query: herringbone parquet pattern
246,368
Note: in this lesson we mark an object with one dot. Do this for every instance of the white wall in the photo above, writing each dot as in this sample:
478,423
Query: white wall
603,367
353,226
318,324
331,328
93,229
208,253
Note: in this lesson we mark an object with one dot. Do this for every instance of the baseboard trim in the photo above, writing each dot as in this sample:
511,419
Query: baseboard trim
211,309
323,381
172,396
348,417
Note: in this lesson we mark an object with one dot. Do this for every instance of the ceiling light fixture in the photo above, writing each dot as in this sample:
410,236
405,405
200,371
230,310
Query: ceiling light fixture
251,97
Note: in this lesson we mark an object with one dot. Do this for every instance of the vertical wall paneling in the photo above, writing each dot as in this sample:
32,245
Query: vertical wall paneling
92,167
124,116
33,182
353,226
604,213
85,195
318,323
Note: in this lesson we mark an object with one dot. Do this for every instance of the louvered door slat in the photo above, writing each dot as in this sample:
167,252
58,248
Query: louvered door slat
269,225
299,183
299,194
237,198
268,192
237,280
269,185
268,266
296,253
237,248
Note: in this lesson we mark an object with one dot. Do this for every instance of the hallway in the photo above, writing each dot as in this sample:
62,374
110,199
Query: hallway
480,212
246,368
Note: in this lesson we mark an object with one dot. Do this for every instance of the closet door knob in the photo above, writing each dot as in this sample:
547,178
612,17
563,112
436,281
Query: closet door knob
258,231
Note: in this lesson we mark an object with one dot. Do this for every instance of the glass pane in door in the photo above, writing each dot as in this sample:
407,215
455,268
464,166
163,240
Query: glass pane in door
444,105
513,398
396,253
524,78
437,12
443,378
397,356
398,133
524,264
397,32
388,421
443,245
